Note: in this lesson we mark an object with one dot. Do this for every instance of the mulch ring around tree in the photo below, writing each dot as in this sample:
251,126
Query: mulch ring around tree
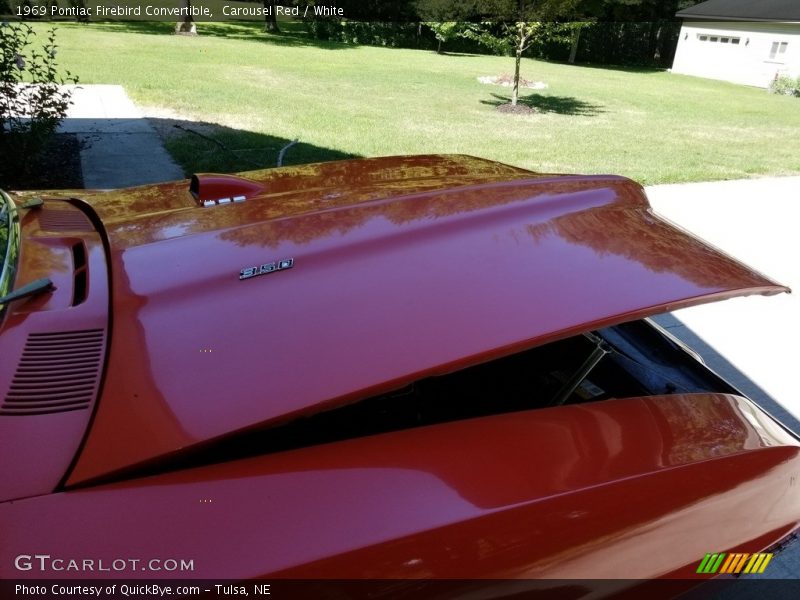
58,166
519,109
507,80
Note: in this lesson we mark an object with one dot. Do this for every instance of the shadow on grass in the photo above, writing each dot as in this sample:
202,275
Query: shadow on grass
637,70
456,54
208,147
562,105
606,67
291,34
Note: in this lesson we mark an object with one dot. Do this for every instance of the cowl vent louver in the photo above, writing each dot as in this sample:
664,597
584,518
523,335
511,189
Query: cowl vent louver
58,372
53,219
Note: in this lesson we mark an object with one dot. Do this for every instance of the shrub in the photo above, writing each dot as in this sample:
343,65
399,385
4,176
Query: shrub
370,33
33,100
785,86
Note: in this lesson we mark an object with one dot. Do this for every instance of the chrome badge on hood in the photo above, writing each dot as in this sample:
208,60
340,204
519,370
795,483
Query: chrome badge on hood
281,265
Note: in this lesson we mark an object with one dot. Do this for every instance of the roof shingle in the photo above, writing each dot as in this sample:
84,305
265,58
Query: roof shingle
744,10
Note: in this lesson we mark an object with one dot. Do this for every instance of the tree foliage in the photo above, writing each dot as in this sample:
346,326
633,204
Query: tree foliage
629,32
785,86
522,21
33,99
447,31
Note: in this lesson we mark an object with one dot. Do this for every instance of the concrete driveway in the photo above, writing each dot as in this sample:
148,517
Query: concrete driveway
751,341
120,147
756,221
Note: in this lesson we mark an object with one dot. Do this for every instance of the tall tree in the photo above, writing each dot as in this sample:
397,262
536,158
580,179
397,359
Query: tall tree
271,16
186,25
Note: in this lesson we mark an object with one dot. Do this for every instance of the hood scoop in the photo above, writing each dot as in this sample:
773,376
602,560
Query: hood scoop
211,189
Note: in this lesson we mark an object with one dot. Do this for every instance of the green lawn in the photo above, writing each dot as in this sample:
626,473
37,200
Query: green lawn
254,92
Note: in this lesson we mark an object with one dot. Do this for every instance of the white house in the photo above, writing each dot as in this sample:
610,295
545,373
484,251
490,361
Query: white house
742,41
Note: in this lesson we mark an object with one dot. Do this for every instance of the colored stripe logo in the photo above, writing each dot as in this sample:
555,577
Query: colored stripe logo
734,563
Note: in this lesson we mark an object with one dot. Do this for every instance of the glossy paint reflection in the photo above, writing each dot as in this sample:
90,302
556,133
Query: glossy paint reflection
384,291
568,492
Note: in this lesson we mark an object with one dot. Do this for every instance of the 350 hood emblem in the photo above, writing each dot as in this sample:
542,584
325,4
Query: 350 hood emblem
280,265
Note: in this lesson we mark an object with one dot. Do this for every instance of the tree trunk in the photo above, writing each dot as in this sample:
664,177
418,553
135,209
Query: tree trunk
187,25
576,37
439,47
270,18
652,42
521,39
657,51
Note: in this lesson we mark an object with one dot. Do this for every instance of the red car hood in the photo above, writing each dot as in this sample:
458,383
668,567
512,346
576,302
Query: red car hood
402,268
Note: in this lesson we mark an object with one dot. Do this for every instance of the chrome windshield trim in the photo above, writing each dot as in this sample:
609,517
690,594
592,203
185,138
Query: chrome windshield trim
12,247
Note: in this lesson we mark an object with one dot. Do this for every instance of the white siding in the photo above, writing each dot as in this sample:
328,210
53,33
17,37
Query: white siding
748,62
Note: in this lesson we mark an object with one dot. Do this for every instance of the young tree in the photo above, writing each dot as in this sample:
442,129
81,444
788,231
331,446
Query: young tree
575,38
521,21
446,31
521,34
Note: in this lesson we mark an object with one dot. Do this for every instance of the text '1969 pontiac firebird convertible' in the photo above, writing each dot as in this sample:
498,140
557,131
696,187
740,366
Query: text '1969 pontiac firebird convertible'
395,368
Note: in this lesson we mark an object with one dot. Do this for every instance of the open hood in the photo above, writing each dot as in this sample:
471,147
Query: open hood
337,281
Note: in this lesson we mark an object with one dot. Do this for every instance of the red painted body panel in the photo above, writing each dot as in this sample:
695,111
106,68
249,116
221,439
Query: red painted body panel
628,488
38,449
403,268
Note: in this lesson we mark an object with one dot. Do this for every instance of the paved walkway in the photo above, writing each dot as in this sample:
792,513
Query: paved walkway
121,148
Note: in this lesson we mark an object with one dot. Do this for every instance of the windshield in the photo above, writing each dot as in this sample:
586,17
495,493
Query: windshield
9,244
